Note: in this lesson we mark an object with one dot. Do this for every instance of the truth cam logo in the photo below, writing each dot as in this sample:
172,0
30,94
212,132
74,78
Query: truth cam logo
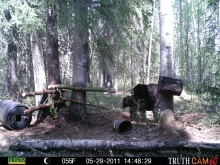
193,160
204,161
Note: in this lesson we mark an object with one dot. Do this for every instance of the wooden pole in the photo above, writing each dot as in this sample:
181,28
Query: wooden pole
62,100
39,93
42,106
87,89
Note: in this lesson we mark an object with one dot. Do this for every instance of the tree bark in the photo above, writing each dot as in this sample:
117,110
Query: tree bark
38,64
13,80
12,85
80,58
52,58
39,71
166,49
86,144
105,66
150,45
116,81
52,54
186,42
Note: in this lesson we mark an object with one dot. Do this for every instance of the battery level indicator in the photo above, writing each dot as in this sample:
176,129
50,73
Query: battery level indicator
16,160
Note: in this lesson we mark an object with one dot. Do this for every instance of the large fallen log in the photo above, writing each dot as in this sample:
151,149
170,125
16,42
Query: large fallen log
87,89
72,144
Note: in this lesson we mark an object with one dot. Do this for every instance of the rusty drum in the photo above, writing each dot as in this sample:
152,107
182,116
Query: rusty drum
12,115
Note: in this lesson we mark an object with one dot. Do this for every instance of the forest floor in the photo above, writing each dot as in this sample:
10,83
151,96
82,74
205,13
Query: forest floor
196,121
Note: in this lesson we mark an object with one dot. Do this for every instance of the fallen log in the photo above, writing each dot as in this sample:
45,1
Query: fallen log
24,94
72,144
87,89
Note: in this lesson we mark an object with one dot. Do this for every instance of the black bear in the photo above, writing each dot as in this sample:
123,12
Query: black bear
144,97
140,91
148,93
128,101
135,105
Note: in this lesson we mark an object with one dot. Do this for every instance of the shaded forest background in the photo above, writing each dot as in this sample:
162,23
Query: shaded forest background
121,43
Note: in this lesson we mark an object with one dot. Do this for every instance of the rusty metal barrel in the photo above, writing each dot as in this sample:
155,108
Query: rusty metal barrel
122,126
12,115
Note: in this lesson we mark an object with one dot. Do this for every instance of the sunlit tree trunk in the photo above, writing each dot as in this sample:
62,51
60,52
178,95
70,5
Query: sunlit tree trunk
187,45
132,68
166,49
196,18
38,64
179,57
116,75
106,76
150,44
143,52
13,80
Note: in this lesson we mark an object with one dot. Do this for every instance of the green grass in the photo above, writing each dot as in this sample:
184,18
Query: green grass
199,103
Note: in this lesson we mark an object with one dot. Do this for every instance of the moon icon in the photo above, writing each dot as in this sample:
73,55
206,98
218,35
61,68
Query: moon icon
47,160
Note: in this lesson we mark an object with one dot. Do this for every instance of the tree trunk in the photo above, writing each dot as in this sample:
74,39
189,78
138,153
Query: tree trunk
150,44
29,77
106,76
13,80
166,49
196,19
38,64
5,87
12,61
179,58
103,69
143,51
105,66
116,81
39,71
53,62
80,58
132,70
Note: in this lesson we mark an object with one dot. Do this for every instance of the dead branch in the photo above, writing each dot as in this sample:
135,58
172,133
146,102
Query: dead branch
72,144
87,89
39,93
